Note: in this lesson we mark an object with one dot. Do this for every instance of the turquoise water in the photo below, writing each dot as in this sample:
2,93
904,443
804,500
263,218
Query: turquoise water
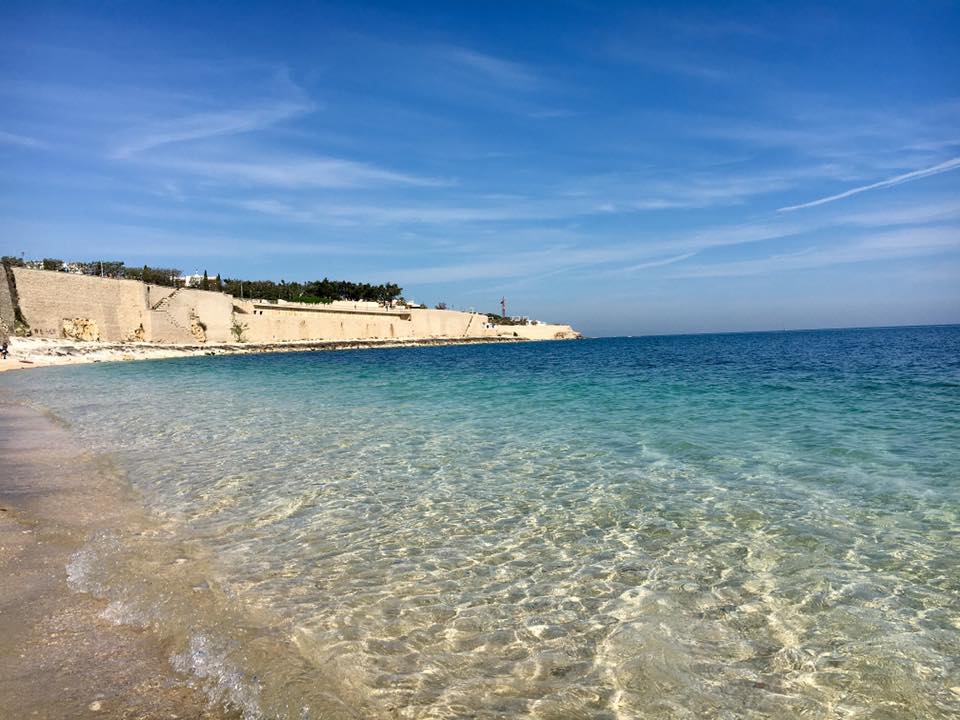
728,526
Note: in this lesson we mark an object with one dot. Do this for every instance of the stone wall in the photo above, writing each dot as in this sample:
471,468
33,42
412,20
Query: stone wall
120,310
48,299
543,331
8,314
177,313
266,322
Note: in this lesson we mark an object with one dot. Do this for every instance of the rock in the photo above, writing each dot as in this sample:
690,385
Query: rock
197,328
81,329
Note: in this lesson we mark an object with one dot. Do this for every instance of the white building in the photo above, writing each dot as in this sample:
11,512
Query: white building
195,280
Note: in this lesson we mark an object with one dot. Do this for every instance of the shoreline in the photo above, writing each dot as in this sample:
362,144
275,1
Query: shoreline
28,353
59,655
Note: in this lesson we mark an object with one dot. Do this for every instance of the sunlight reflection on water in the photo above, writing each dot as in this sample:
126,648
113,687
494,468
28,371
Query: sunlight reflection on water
711,526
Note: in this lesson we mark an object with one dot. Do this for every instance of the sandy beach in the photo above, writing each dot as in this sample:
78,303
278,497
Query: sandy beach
59,657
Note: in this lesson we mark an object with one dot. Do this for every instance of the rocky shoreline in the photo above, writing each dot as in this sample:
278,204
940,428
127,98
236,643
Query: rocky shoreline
40,352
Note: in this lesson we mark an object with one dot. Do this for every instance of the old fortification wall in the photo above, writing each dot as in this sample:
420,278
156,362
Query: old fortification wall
276,323
280,323
8,315
192,315
345,321
544,331
48,299
122,310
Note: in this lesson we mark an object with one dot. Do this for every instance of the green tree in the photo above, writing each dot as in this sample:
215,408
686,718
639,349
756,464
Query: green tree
102,268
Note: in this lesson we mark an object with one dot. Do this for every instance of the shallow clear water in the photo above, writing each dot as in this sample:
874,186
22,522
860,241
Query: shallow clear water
752,525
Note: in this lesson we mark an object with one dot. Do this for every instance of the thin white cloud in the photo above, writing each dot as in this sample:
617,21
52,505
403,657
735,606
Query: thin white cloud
8,138
643,191
894,245
206,125
902,215
580,203
567,258
649,252
689,62
503,72
733,235
660,263
898,180
519,264
386,214
133,242
315,172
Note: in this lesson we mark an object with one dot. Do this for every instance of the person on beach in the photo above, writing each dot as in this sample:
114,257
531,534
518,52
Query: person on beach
4,342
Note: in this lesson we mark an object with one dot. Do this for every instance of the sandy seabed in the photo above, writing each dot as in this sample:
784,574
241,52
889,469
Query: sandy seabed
59,658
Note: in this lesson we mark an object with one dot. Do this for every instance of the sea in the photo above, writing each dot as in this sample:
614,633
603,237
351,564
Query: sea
756,525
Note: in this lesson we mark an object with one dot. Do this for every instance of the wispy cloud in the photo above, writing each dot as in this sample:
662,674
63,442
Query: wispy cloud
898,180
672,62
8,138
659,251
902,215
311,172
206,125
504,72
147,242
387,214
607,195
883,246
518,264
659,263
577,255
649,190
852,143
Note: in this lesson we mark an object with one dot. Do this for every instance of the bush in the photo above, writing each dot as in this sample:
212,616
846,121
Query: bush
238,329
500,320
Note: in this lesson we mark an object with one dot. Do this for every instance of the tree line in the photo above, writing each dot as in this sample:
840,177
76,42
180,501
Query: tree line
101,268
314,291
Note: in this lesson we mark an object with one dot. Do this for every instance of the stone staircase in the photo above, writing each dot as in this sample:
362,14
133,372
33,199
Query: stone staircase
165,300
166,327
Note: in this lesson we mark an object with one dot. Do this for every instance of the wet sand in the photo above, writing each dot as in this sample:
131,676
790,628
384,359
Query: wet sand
58,657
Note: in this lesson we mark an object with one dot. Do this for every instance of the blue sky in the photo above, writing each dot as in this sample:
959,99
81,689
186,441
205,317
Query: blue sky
635,168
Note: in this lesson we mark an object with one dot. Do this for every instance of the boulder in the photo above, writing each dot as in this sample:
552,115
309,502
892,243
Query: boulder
81,329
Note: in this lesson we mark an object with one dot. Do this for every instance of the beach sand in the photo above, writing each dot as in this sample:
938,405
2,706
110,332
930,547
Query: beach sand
14,364
58,657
